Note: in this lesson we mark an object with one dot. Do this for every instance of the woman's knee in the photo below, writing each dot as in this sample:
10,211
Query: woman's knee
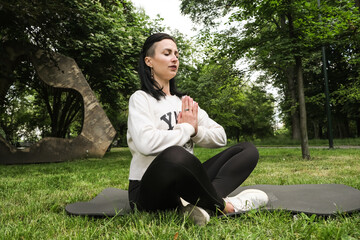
250,150
178,155
173,153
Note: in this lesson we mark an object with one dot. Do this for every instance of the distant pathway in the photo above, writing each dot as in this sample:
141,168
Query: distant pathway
320,147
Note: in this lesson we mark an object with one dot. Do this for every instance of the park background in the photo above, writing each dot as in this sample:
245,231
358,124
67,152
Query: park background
280,41
236,52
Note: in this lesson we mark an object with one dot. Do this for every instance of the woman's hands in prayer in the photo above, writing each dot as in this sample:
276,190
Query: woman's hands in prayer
189,112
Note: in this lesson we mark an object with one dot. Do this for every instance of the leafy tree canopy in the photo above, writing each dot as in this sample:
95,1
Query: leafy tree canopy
104,38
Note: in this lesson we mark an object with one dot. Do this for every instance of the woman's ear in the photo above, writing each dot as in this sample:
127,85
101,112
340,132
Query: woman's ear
148,61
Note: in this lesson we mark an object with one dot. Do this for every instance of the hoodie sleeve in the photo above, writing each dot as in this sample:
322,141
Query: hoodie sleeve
210,134
142,130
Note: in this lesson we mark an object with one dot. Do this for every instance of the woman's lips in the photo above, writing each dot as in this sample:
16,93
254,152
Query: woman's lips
173,67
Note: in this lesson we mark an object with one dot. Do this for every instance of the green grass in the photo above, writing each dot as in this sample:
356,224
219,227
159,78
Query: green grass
283,140
33,198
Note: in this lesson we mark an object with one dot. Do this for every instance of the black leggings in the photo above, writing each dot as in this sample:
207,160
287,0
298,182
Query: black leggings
176,173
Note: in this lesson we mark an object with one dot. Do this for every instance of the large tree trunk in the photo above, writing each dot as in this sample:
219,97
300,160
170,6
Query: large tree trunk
300,81
62,106
295,123
303,126
294,112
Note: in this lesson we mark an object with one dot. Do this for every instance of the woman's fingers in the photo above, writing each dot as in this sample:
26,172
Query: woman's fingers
196,108
189,112
195,112
191,104
187,104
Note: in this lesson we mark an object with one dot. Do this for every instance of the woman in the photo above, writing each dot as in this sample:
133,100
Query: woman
163,126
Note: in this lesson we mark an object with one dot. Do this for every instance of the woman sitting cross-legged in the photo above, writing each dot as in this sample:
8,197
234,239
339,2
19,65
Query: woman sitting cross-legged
163,126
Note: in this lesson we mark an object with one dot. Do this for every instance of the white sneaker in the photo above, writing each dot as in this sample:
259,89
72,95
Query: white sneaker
248,199
197,214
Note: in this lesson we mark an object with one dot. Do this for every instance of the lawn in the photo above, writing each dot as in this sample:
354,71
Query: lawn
33,198
285,140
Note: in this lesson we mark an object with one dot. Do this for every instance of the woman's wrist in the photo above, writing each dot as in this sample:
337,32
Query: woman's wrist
193,135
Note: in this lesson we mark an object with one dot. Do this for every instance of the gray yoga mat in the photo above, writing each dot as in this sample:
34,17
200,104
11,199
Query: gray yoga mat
319,199
110,202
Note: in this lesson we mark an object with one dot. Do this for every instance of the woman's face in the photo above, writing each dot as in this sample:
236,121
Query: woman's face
165,62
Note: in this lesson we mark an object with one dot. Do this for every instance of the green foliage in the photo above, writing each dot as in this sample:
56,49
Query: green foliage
275,33
245,111
16,120
104,38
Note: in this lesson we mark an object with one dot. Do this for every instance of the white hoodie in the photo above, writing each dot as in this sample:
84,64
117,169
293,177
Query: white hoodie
152,128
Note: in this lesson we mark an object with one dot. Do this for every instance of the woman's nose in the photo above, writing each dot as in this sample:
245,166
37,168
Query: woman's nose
174,58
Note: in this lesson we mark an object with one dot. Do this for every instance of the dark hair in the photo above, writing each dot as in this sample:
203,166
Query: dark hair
148,84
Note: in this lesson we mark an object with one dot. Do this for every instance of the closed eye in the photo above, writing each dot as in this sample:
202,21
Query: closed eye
169,51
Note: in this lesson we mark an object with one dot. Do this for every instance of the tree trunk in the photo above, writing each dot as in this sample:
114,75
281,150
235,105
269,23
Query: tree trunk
316,129
320,131
303,126
300,81
295,124
343,126
346,127
294,112
339,130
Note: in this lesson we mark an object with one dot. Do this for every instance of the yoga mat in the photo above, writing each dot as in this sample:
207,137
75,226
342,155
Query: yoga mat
319,199
110,202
